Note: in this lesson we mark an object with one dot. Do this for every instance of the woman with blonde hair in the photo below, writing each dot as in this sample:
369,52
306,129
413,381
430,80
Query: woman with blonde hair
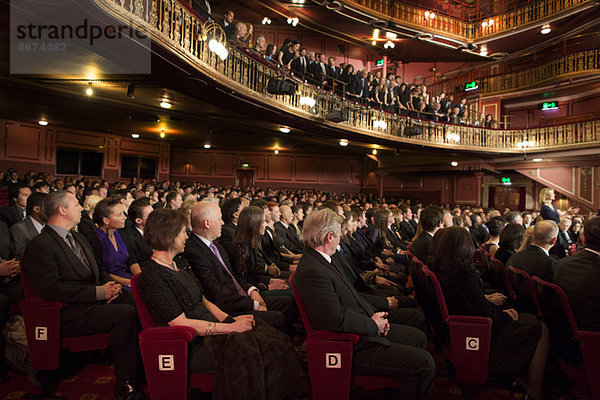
527,238
86,225
549,210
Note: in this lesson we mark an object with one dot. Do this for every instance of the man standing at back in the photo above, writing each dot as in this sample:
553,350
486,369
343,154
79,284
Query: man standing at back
60,266
332,303
579,276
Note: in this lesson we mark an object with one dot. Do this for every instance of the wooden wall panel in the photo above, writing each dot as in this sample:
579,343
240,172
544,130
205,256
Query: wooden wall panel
225,164
22,141
334,170
306,169
80,140
178,163
357,172
279,167
139,147
465,189
201,163
111,155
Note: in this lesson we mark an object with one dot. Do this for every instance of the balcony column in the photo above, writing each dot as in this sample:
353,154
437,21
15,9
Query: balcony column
479,178
384,66
380,185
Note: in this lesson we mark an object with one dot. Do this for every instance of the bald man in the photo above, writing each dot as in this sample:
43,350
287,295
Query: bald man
221,284
535,258
287,230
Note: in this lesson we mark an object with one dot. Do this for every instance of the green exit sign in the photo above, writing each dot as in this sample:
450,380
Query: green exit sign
550,105
245,165
506,181
379,63
471,86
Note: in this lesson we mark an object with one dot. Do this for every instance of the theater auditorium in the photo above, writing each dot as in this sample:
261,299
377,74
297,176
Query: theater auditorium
299,199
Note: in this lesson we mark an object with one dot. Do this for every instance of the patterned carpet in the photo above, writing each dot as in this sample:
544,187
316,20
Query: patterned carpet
96,382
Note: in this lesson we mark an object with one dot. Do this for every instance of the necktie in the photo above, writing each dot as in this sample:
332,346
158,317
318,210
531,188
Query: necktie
77,249
214,249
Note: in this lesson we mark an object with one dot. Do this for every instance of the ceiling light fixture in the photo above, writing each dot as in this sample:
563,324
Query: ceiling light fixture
43,122
276,151
375,34
219,48
343,142
374,152
266,21
307,101
537,159
89,91
283,129
165,103
546,29
162,134
293,21
454,164
391,35
483,51
389,45
374,43
207,146
135,135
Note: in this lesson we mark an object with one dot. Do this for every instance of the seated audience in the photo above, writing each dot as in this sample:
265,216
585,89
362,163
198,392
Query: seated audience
564,241
579,276
22,232
109,247
518,341
478,233
494,227
286,229
510,240
535,259
333,304
246,364
222,285
230,210
133,233
60,266
431,222
86,225
15,211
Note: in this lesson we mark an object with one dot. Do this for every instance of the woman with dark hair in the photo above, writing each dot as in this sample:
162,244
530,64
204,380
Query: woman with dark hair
110,250
510,240
247,255
574,231
489,122
402,96
270,52
347,77
495,227
518,341
245,364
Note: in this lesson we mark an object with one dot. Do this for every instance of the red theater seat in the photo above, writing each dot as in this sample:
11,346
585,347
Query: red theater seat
589,341
532,295
165,355
42,326
329,357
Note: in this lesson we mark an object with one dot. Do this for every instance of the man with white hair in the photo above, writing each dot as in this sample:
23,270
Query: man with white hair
333,304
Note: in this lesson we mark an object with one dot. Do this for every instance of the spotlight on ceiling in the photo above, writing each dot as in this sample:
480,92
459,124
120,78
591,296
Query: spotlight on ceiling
537,160
546,29
43,122
89,91
293,21
374,152
374,43
276,151
162,134
135,135
389,45
343,142
283,129
166,103
266,21
454,164
207,146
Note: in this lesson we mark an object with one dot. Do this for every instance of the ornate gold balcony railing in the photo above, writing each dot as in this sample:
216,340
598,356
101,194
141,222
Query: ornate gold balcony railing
468,31
172,25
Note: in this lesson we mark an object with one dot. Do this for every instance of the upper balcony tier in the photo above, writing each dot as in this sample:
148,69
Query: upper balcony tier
174,26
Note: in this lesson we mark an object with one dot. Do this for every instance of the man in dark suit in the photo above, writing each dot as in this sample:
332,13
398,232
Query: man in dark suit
229,26
60,266
230,210
22,232
478,233
416,215
406,229
431,221
221,285
319,69
332,303
287,230
133,233
563,240
300,63
534,259
333,73
579,276
16,210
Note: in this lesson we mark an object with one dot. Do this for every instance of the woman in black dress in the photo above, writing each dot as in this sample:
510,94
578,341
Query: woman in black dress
510,240
518,341
249,359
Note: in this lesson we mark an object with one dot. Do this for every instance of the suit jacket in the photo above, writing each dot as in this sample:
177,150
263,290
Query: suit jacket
331,301
317,70
420,247
11,214
5,243
136,244
21,234
534,261
227,234
291,241
56,274
333,72
298,67
218,286
579,276
407,230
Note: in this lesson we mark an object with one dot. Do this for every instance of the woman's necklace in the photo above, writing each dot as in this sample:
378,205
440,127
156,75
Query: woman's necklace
170,265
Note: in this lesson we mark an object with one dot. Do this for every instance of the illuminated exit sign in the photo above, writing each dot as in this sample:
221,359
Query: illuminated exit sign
471,86
506,181
549,105
379,63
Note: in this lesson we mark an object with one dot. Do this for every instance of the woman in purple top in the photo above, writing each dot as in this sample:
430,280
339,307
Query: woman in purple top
109,248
